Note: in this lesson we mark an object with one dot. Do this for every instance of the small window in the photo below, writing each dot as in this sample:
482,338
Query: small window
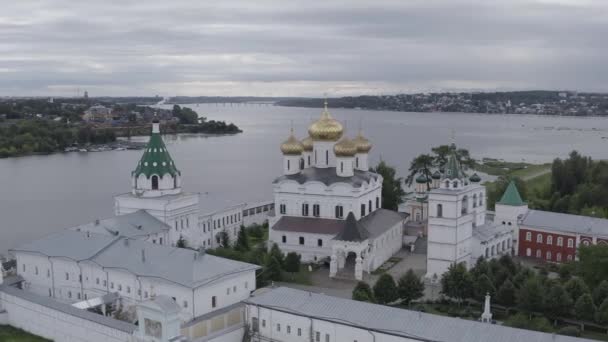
326,337
69,294
282,208
320,242
255,324
362,210
263,323
128,289
278,327
234,289
317,336
316,210
105,283
528,236
301,240
228,291
289,329
119,287
305,209
185,304
539,238
284,239
145,294
439,210
549,240
377,202
299,332
112,285
213,302
560,241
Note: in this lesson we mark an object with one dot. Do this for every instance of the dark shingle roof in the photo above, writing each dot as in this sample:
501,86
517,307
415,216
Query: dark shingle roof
313,225
352,230
328,177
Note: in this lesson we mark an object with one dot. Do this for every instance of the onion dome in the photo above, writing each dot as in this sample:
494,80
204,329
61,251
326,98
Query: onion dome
363,145
436,175
421,179
326,128
475,178
156,160
292,146
307,144
345,148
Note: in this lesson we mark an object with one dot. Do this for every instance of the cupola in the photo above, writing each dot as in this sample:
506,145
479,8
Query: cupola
326,128
292,150
475,178
156,173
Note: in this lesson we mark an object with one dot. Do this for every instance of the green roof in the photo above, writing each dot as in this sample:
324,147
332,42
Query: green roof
511,196
452,167
156,159
421,179
475,178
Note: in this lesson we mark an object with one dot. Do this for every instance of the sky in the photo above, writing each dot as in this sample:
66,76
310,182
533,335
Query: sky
300,48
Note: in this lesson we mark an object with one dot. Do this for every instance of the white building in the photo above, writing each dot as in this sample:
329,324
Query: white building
199,219
72,266
457,227
328,203
288,315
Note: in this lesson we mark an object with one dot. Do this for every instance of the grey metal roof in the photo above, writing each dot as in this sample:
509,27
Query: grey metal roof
313,225
69,309
489,230
380,220
566,222
141,258
375,223
162,303
68,244
173,264
393,321
139,223
328,177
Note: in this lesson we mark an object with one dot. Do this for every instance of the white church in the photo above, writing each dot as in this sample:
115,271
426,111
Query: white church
328,202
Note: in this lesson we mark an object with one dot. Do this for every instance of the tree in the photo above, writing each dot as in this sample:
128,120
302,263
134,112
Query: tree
224,239
602,313
521,321
292,262
410,287
600,293
506,294
181,242
558,302
576,287
385,290
442,153
273,269
363,292
242,242
584,308
457,282
482,286
392,192
530,296
275,252
421,165
593,263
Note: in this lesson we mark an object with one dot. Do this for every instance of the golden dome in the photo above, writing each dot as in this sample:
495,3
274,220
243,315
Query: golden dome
345,148
292,146
363,145
326,128
307,144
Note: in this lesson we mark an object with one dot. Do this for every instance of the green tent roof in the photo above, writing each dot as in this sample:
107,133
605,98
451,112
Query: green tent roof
421,179
156,159
452,167
511,196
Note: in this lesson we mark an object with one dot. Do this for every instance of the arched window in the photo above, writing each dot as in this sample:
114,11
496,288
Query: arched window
560,241
493,250
558,257
309,160
549,240
480,199
487,252
301,163
474,200
539,254
465,205
370,206
341,166
504,243
175,181
154,182
528,252
357,162
539,238
570,243
447,184
548,255
569,257
528,236
377,202
326,157
316,210
455,184
439,210
288,165
362,210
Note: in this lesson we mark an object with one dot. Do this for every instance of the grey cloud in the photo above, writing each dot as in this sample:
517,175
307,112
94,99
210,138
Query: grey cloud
300,47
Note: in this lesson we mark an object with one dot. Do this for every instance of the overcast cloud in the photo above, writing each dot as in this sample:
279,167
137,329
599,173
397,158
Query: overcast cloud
300,48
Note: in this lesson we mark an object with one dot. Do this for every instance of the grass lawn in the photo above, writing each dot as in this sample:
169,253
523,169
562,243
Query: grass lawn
502,168
11,334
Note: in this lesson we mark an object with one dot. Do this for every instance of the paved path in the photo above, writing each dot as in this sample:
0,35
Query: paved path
537,174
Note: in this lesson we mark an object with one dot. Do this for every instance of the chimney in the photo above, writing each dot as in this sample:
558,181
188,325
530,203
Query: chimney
143,255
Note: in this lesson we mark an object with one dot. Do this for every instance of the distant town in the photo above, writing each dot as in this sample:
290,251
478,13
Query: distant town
566,103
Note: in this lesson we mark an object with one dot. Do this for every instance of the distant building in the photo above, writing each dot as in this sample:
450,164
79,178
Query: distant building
97,113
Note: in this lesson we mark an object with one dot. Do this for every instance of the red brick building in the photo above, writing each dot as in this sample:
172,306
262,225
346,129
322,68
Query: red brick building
555,237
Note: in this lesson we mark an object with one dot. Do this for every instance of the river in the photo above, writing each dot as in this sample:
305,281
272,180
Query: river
42,194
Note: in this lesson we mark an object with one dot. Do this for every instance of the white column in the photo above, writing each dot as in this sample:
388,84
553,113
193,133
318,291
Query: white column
359,268
486,316
333,266
341,260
